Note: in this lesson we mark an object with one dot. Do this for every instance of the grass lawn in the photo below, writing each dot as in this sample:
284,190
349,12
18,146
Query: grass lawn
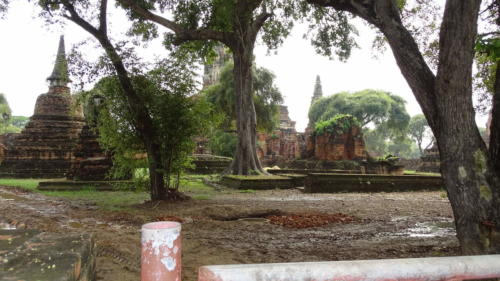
27,184
415,173
191,185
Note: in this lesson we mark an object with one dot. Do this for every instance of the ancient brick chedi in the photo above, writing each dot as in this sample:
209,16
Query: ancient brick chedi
44,148
89,162
348,145
283,143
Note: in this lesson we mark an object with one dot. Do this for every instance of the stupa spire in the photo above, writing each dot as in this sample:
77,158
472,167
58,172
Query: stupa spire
60,76
318,90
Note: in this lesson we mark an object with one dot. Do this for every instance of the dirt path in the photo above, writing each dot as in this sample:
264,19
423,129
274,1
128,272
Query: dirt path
229,229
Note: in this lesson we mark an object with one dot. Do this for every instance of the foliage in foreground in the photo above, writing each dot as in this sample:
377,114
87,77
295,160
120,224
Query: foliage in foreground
176,116
222,143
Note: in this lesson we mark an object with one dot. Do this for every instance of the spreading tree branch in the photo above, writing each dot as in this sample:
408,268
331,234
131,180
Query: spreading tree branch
183,34
385,16
103,25
76,18
260,20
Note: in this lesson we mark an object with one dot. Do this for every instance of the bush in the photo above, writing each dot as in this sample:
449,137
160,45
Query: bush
338,125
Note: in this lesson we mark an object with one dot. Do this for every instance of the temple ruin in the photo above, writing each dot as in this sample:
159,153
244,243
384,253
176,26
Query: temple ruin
45,148
285,143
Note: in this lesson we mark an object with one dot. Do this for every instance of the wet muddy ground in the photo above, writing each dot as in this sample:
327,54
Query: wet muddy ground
232,227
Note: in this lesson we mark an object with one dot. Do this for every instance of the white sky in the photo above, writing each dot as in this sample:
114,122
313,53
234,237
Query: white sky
28,49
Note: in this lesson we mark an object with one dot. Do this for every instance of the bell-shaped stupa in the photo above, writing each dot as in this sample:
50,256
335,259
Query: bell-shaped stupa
44,148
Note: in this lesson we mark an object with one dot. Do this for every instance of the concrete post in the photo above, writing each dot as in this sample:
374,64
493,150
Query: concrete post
161,251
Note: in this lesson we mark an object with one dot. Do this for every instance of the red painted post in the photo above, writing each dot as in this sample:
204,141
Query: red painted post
161,251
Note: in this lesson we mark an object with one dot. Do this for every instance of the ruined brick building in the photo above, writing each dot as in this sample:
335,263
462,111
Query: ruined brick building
285,143
45,148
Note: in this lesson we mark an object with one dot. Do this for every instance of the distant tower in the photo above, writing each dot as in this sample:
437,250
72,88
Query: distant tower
58,101
318,91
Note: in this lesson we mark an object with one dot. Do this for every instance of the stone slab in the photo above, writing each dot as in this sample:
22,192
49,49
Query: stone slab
332,183
68,185
258,182
308,171
210,166
31,255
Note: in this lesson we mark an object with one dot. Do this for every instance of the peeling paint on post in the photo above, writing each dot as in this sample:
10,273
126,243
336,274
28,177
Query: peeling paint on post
161,251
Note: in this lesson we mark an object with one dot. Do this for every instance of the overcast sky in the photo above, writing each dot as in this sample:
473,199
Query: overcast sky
28,49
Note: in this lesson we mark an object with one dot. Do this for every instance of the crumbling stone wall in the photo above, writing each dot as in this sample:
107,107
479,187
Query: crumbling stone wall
334,147
282,144
431,161
89,161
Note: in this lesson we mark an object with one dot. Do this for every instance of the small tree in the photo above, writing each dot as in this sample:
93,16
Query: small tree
5,114
176,119
19,121
419,130
222,143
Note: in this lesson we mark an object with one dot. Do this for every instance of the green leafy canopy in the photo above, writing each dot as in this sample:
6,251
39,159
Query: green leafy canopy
167,91
367,106
266,97
337,125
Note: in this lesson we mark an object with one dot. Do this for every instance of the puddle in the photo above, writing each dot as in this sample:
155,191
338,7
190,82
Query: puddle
38,206
296,198
431,229
75,224
6,226
11,197
254,220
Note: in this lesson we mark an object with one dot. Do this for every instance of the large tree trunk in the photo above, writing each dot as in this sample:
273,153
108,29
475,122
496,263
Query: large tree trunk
156,176
472,187
470,172
494,143
245,161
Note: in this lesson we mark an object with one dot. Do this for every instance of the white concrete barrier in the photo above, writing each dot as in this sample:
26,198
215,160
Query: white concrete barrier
443,268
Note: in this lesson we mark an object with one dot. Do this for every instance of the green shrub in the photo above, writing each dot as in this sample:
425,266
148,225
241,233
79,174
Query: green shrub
339,124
